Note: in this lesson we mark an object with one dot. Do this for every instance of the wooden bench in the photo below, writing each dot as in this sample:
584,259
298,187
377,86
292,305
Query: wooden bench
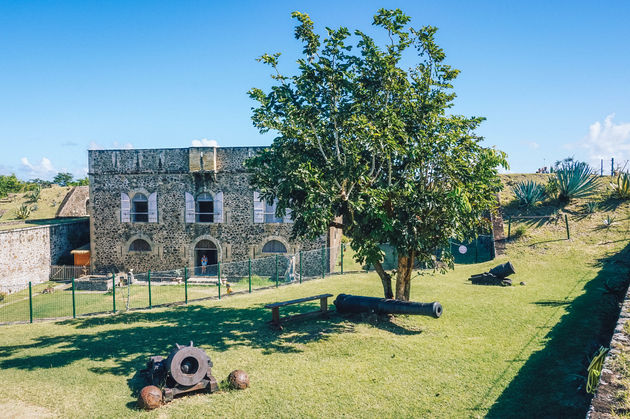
275,309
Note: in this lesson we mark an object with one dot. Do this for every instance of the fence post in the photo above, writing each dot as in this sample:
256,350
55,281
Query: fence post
477,250
185,285
509,227
276,271
219,278
300,266
566,221
342,258
114,292
249,270
612,167
149,281
74,304
323,256
30,301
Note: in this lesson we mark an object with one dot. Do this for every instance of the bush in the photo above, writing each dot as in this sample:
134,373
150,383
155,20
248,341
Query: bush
575,180
23,212
621,188
529,193
591,207
35,195
518,232
2,296
551,188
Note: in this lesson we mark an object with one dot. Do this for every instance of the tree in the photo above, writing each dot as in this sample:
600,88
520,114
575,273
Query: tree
63,178
363,141
80,182
10,183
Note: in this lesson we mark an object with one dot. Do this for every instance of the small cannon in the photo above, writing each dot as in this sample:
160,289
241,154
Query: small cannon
496,276
187,369
357,304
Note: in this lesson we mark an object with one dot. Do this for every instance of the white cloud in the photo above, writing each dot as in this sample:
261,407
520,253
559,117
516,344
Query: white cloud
204,142
532,144
607,140
123,146
95,146
43,170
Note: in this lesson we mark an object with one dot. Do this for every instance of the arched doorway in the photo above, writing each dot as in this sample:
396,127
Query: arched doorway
207,249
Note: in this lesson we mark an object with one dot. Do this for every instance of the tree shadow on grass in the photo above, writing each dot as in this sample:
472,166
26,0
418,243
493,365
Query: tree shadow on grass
123,343
551,382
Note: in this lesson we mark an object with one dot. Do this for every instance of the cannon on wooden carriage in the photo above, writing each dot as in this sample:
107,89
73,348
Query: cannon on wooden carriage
496,276
358,304
187,369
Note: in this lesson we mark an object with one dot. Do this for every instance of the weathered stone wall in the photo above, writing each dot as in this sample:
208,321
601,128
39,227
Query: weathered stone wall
168,173
27,253
74,203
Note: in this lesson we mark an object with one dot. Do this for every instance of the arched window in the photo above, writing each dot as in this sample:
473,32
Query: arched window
204,208
274,246
139,245
140,208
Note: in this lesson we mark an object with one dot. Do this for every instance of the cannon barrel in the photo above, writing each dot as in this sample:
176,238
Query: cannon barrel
358,304
503,270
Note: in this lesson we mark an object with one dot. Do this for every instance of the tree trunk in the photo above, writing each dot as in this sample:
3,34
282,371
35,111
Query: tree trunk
403,276
386,279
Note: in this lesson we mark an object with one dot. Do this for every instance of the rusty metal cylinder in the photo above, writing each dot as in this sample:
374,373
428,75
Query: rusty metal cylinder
346,303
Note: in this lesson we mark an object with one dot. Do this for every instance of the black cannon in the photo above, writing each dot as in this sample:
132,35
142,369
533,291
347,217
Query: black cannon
187,369
358,304
496,276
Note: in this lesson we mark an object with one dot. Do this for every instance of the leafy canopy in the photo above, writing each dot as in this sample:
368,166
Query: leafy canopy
366,145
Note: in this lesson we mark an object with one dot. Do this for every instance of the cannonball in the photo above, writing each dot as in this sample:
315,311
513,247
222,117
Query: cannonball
150,397
238,379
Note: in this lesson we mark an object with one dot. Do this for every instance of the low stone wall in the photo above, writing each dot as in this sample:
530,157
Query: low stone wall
605,397
27,253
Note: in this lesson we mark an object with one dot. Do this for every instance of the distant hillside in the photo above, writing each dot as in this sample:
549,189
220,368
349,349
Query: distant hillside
46,207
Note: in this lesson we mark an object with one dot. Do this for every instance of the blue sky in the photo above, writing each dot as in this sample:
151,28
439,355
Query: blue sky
552,78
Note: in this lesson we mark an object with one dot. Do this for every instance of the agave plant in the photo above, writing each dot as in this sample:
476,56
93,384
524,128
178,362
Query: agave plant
23,212
621,188
529,193
575,180
35,195
591,207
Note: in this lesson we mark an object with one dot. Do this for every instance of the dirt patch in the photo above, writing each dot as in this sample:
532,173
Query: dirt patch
18,410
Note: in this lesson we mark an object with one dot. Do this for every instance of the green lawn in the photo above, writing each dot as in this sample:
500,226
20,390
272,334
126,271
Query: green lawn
518,351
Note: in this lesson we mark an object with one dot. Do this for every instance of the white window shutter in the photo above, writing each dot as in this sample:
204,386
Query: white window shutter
153,213
190,208
125,208
259,209
287,216
218,207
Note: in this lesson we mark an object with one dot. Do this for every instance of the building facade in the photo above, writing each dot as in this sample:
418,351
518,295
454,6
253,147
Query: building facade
163,208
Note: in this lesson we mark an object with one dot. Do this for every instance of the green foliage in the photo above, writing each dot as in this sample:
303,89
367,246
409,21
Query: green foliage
23,212
35,194
591,207
362,140
528,193
2,296
552,187
621,187
10,184
519,232
575,180
609,221
63,179
80,182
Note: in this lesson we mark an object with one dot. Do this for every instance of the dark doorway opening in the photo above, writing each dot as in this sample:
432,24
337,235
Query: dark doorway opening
209,250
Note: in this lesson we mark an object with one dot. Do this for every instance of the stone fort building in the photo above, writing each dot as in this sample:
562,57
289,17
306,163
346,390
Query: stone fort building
161,209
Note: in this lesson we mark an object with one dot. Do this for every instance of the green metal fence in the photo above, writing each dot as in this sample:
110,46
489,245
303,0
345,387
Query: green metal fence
110,292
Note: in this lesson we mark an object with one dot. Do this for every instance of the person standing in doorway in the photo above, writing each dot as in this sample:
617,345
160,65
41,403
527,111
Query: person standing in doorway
204,263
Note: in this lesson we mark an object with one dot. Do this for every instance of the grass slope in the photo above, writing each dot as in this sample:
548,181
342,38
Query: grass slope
46,207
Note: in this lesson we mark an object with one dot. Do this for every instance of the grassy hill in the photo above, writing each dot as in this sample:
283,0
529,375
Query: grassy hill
45,208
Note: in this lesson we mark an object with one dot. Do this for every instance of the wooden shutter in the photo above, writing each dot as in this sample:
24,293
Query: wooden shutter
287,216
259,209
153,213
218,207
190,208
125,208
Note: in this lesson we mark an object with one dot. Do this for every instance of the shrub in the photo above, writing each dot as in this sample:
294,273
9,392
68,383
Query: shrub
23,212
575,180
35,195
2,296
591,207
609,221
529,193
621,188
551,188
518,232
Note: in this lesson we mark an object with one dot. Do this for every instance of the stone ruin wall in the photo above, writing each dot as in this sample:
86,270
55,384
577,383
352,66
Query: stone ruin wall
172,240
